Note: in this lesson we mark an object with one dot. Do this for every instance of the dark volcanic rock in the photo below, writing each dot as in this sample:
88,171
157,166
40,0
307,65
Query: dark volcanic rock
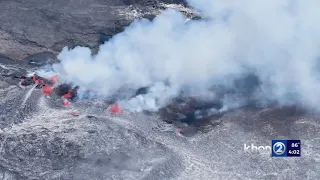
40,139
32,27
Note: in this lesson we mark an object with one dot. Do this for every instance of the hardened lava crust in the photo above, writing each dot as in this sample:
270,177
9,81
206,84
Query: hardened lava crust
41,139
31,27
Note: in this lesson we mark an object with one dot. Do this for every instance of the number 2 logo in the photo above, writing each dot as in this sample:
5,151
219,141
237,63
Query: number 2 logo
279,148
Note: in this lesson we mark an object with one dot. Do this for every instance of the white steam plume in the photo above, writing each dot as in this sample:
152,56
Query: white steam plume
278,40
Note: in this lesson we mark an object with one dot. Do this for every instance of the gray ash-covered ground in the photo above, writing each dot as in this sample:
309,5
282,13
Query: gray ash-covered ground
41,139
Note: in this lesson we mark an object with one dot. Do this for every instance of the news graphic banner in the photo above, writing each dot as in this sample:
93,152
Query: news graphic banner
278,148
286,148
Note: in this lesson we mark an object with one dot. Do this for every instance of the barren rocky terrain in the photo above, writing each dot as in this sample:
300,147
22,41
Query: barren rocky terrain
32,27
40,139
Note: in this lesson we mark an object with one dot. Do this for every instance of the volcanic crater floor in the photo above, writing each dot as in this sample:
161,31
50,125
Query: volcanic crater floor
40,139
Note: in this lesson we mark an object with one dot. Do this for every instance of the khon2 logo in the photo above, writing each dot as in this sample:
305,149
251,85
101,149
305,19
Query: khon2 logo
279,148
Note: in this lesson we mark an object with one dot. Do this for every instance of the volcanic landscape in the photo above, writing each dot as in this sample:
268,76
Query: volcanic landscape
52,136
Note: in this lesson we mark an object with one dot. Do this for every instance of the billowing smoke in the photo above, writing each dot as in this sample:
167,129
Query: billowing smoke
274,43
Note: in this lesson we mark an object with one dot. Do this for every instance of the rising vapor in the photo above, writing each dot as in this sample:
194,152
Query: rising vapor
277,41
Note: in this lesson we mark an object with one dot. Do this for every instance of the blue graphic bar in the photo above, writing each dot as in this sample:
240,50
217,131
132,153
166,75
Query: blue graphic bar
286,148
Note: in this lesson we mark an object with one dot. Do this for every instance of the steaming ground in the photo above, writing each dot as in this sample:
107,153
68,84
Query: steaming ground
42,140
